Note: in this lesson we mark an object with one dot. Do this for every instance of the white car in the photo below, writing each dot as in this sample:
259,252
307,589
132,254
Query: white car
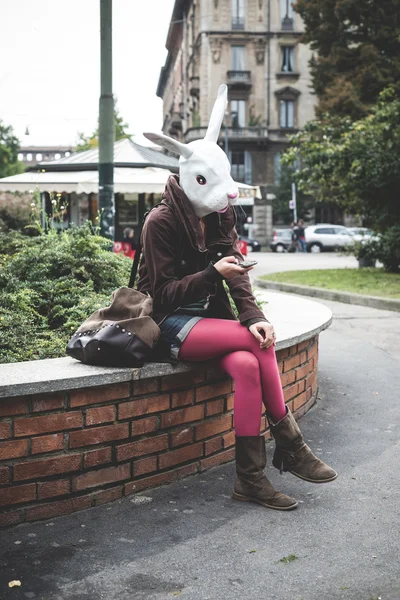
362,233
325,236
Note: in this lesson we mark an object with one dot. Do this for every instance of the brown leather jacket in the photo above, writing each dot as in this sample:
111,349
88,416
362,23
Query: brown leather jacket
176,268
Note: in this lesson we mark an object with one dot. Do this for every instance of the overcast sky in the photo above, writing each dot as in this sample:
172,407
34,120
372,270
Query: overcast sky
50,65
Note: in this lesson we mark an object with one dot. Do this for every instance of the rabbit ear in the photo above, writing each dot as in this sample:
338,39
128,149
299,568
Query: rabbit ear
217,115
170,144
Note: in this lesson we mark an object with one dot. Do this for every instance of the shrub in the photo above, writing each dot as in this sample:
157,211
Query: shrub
49,284
389,249
15,211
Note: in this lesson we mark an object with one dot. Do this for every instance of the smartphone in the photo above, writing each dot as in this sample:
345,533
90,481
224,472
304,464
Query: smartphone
247,263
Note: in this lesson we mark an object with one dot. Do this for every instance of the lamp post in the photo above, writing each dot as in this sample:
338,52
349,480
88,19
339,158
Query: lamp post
106,124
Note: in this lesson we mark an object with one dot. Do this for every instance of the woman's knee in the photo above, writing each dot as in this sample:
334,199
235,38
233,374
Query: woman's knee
244,367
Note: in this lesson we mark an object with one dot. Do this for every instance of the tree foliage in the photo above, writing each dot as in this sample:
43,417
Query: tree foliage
88,142
9,146
283,194
357,51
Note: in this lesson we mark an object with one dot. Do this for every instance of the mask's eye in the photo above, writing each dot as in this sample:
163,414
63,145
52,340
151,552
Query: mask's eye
201,180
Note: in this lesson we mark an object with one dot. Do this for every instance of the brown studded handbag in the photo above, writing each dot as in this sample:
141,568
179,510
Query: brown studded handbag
122,334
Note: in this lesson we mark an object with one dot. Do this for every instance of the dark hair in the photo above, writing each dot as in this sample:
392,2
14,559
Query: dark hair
128,232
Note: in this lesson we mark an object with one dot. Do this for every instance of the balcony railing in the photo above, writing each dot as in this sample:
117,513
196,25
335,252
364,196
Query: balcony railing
239,79
234,133
287,24
238,23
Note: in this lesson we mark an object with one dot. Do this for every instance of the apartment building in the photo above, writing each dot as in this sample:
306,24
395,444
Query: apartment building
253,46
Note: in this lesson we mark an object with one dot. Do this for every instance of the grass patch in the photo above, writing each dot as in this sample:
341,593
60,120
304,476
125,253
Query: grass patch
371,282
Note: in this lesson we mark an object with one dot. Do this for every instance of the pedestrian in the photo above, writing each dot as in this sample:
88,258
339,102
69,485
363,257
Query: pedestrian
302,236
295,238
190,249
129,237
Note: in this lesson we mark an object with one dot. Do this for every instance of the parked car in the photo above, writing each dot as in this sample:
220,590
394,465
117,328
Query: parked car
325,236
252,245
362,234
281,240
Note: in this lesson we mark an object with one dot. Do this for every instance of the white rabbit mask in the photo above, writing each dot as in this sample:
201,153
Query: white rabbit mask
204,168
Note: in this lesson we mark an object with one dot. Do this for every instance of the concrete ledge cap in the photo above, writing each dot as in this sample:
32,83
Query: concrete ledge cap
294,319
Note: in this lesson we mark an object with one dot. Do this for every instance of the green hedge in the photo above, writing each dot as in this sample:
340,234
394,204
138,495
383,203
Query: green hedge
49,284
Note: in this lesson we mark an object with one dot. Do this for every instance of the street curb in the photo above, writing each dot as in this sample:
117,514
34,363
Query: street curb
346,297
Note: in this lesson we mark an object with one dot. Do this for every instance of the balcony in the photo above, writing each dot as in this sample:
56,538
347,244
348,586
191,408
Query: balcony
287,24
234,133
239,79
238,23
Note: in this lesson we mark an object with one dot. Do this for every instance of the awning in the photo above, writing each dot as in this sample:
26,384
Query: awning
127,180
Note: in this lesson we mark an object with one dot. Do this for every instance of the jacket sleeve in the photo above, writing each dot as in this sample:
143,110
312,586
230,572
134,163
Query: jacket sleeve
241,292
160,246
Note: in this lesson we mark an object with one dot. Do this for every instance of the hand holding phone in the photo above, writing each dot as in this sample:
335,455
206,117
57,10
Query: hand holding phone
247,263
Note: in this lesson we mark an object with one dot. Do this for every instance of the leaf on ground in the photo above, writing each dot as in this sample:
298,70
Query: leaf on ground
288,559
251,551
14,583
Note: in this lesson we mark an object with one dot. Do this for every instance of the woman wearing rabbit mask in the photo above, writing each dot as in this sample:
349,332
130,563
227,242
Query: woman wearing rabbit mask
190,246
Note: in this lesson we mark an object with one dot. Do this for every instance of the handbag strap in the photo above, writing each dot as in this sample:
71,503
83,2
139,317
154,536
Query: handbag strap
138,252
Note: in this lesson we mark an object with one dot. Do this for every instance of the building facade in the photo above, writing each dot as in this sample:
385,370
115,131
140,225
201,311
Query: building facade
31,155
253,46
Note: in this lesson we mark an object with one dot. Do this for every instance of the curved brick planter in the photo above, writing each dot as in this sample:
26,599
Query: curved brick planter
74,436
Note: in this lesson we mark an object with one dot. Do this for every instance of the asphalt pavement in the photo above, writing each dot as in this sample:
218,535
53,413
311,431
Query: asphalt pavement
274,262
190,540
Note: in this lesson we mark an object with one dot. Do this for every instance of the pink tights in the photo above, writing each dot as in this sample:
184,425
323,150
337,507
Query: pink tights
255,371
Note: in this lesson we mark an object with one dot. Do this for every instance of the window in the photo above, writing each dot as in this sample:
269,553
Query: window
286,108
29,157
238,14
238,58
67,154
287,15
238,113
38,156
277,168
57,155
287,59
20,156
326,230
241,164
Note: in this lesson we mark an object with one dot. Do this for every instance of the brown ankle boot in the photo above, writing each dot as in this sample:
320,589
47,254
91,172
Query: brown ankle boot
292,453
251,483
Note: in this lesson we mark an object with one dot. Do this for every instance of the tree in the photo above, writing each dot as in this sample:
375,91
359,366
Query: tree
357,45
9,146
355,164
283,194
89,142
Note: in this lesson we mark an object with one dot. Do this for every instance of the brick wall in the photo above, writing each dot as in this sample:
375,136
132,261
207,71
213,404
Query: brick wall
67,451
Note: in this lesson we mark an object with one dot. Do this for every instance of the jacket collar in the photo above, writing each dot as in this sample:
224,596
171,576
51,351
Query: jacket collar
219,226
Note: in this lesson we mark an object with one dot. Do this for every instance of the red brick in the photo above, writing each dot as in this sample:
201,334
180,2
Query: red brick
183,436
223,388
281,354
293,350
144,406
181,380
229,402
142,426
49,489
101,394
102,414
47,466
280,366
213,427
11,518
47,423
184,415
182,398
303,345
304,370
97,457
217,459
291,391
263,424
309,393
288,378
13,449
44,402
105,496
160,479
299,401
4,475
144,465
212,446
145,386
229,439
47,443
215,407
13,406
17,494
311,379
291,363
5,430
313,351
145,446
55,509
98,435
101,477
175,457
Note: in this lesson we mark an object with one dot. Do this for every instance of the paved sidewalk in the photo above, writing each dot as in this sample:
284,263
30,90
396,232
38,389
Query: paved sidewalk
191,541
